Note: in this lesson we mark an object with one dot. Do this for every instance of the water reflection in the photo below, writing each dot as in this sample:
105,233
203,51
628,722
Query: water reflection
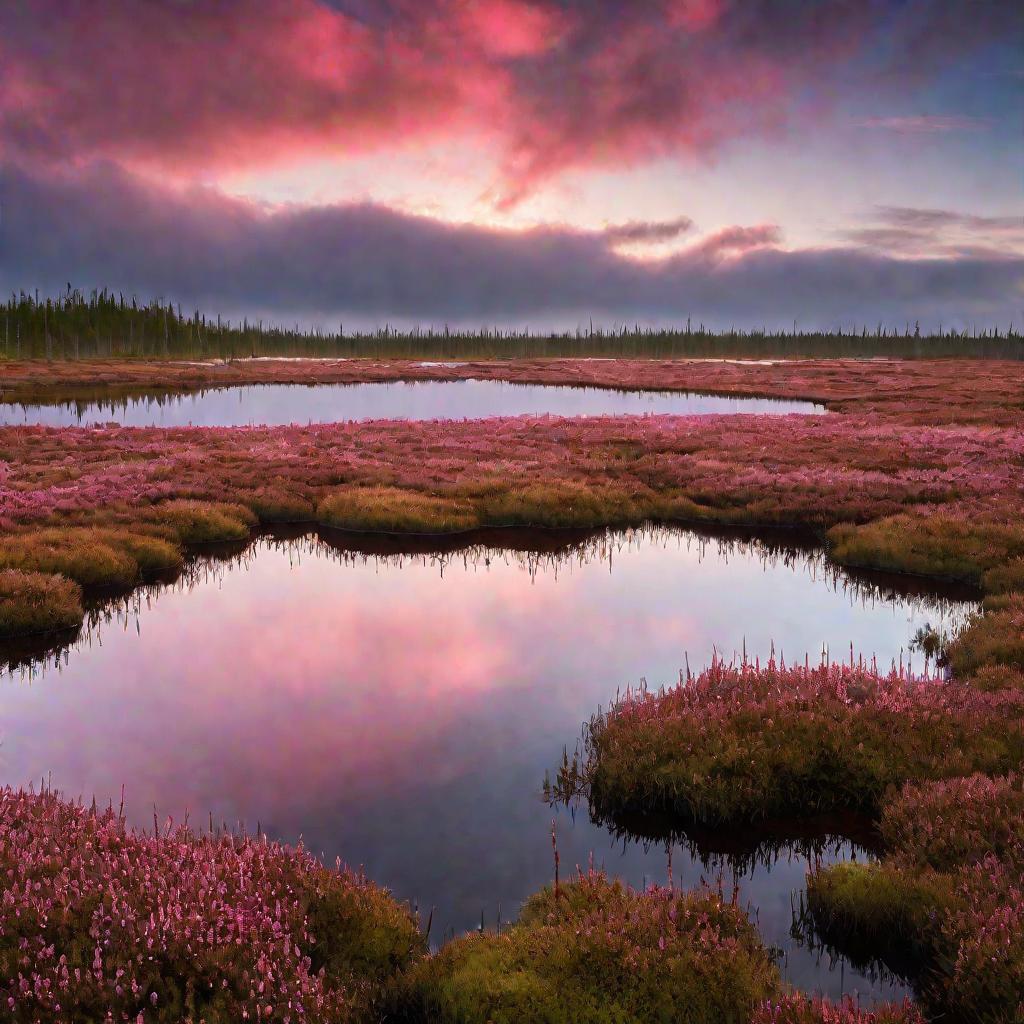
399,710
275,404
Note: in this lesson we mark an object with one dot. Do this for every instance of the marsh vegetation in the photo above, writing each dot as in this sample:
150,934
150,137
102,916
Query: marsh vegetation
457,655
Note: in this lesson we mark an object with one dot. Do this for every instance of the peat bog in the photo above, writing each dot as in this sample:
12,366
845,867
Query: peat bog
424,695
422,685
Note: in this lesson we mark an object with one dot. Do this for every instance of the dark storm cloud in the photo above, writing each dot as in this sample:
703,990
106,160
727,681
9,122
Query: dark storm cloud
930,219
915,230
103,227
644,232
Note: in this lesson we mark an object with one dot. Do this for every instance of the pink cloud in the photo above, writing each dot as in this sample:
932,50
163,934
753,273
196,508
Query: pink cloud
228,84
694,15
512,28
538,86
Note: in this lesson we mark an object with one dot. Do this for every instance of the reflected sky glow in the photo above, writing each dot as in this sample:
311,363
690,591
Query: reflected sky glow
400,713
277,404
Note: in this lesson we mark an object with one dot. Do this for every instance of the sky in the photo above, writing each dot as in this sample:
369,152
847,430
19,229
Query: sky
521,163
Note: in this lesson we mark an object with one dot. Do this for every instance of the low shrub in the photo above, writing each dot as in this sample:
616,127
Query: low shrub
950,824
799,1009
33,602
998,677
391,509
980,959
103,923
597,952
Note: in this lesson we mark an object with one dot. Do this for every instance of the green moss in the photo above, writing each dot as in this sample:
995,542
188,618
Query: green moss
599,953
391,509
32,602
361,934
152,553
877,911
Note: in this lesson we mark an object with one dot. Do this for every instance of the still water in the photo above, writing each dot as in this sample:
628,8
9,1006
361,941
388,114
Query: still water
399,711
277,404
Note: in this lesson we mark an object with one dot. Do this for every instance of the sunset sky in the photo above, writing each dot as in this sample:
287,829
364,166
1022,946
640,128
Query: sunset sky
527,163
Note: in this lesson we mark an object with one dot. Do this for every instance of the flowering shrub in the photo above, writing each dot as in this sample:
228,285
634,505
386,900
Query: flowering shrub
917,468
919,472
950,891
597,952
739,744
984,935
962,821
811,470
798,1009
99,922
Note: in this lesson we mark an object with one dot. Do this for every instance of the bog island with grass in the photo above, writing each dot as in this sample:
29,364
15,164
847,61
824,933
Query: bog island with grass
511,512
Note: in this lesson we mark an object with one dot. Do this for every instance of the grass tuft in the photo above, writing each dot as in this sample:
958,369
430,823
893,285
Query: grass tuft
958,547
203,522
558,505
992,639
90,557
276,505
33,602
391,509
